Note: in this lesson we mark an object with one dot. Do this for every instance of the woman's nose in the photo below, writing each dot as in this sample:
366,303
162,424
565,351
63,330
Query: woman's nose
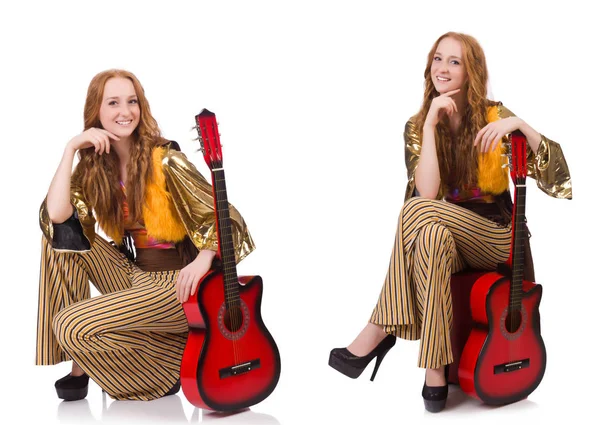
125,111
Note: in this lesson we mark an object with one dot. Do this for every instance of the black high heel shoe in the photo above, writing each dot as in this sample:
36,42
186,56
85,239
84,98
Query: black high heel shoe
71,388
352,366
435,397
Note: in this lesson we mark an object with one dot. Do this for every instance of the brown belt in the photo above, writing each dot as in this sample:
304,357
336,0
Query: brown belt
489,210
158,260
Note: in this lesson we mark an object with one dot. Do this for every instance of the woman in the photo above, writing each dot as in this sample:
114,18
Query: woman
457,211
144,193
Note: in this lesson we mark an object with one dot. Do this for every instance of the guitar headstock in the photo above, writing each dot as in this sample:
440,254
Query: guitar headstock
517,156
208,135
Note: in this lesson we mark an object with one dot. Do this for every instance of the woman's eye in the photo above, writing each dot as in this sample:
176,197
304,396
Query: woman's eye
112,102
455,63
133,101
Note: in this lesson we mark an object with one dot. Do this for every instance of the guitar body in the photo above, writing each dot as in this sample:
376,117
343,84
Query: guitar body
504,359
238,364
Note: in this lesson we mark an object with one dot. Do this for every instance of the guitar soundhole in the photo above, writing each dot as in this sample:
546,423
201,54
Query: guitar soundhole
233,319
513,321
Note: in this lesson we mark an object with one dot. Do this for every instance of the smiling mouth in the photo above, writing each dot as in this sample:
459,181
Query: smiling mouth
124,123
442,79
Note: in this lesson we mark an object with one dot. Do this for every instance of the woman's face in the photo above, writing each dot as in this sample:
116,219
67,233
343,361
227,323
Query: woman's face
448,69
120,111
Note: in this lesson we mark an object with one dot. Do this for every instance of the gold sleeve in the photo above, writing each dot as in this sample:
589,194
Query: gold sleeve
78,232
412,153
547,166
193,199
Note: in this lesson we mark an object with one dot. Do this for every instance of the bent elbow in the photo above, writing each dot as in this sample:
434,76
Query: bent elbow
429,195
58,217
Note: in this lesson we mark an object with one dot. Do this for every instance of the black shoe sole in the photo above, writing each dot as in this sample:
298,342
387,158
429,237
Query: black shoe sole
175,389
72,394
344,368
435,406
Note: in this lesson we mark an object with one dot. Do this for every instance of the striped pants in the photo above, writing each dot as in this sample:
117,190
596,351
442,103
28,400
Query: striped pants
130,339
434,239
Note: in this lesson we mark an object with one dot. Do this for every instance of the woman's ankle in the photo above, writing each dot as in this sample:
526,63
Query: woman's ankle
76,370
367,340
435,377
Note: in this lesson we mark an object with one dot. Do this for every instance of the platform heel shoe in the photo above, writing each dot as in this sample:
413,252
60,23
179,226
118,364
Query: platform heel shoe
71,388
352,366
435,397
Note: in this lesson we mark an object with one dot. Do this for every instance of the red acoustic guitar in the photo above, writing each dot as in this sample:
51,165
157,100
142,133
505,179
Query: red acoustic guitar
504,359
230,360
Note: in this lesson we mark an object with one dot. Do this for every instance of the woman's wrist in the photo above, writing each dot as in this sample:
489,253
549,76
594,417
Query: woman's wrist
429,126
207,253
533,137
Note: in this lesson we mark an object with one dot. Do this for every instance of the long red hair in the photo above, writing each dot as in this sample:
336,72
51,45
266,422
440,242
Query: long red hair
458,158
98,175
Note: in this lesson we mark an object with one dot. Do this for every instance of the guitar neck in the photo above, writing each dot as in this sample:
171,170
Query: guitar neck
517,257
224,232
518,247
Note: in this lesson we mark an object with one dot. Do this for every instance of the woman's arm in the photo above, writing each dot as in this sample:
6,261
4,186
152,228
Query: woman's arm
545,159
427,174
58,200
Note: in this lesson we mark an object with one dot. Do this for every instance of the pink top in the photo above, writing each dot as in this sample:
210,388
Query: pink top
473,194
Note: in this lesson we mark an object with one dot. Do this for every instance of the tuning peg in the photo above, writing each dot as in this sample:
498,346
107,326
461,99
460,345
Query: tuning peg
194,128
198,138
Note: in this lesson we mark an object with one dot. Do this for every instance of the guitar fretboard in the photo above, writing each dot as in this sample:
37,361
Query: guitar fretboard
225,235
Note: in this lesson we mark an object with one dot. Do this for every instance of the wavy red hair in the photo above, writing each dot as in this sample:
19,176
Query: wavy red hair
458,158
98,175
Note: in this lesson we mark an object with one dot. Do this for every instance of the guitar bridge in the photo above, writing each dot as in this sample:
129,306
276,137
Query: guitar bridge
246,367
511,367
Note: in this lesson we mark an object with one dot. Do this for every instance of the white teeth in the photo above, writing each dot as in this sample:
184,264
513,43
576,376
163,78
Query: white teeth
124,122
443,79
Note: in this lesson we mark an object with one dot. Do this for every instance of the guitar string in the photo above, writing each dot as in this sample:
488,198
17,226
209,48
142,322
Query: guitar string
516,290
229,276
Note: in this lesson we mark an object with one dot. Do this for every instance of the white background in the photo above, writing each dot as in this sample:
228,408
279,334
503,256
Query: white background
311,99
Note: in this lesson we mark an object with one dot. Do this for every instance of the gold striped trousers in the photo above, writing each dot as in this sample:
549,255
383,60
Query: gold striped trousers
434,239
130,339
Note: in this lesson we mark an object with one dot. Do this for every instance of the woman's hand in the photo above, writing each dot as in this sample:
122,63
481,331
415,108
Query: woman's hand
443,104
189,277
490,135
97,137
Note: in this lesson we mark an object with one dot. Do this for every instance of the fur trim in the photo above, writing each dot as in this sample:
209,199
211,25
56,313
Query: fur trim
160,216
492,178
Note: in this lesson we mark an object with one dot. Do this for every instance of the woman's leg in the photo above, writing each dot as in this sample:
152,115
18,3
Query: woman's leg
434,240
129,342
64,281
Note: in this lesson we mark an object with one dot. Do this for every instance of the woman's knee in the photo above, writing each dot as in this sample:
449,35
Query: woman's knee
68,328
413,209
435,235
416,212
